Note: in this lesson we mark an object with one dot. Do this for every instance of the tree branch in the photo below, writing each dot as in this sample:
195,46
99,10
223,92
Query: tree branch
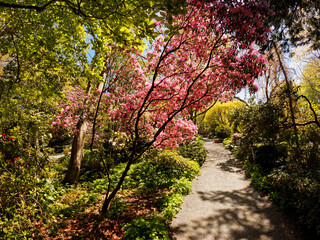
32,7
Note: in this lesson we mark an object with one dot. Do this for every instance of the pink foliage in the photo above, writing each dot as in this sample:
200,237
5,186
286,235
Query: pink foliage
211,56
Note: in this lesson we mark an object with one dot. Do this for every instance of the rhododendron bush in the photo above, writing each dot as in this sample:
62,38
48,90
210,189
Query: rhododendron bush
208,54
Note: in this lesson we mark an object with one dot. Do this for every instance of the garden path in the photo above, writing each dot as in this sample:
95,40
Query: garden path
224,206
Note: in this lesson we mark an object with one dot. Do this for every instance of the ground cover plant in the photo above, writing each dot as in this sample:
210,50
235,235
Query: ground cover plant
149,198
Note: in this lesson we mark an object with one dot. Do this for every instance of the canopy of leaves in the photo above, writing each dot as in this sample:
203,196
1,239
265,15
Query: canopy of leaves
295,22
310,84
220,114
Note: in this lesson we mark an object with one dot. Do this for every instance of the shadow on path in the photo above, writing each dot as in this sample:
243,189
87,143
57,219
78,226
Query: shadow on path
231,165
245,215
224,206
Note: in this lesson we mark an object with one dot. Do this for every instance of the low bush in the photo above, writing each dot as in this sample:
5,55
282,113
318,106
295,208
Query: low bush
194,150
169,204
228,144
162,171
223,131
145,228
298,190
259,180
293,189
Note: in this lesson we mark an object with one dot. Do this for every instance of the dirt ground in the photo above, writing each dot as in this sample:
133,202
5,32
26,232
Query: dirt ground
224,206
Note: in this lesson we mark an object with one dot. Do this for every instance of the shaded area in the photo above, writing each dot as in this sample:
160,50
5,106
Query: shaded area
224,206
231,165
239,214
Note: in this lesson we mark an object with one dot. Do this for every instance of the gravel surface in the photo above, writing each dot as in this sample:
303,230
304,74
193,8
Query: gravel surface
224,206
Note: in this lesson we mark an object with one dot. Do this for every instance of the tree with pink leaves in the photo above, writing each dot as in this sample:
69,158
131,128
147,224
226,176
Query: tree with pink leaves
210,54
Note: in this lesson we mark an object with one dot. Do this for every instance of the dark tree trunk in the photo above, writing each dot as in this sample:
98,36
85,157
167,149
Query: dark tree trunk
109,197
76,154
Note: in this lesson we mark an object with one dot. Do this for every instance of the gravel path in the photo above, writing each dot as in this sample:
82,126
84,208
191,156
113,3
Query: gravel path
223,206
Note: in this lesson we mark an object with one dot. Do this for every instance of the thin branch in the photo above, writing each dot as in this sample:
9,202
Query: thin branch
32,7
313,111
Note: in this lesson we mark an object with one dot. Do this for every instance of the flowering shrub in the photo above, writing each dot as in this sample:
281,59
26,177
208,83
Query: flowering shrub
14,152
236,138
77,105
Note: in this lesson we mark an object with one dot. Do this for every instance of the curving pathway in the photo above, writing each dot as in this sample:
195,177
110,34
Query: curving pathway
223,206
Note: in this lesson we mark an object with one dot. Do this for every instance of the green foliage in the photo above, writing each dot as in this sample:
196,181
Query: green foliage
145,228
170,204
260,123
228,144
293,189
257,176
299,190
194,150
217,119
310,84
162,171
222,131
117,208
182,186
24,200
91,161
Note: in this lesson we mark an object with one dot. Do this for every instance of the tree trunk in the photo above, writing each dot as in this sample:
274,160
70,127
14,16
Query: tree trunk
290,100
109,198
76,154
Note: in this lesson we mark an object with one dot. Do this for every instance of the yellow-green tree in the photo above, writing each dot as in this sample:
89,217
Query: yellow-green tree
310,84
217,119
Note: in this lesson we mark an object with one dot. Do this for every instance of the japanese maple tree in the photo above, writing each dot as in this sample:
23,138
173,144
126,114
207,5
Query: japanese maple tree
209,54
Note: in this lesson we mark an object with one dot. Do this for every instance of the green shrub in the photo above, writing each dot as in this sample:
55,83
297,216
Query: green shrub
194,150
227,142
146,228
182,186
118,206
91,160
295,190
222,131
259,180
299,190
162,171
169,204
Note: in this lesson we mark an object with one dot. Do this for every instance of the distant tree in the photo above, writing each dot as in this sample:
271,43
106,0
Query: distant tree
310,83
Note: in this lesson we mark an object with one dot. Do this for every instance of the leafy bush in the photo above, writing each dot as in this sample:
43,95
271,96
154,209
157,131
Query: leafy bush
169,204
162,171
298,190
295,190
223,131
182,186
146,228
91,161
118,206
259,180
228,143
194,150
267,156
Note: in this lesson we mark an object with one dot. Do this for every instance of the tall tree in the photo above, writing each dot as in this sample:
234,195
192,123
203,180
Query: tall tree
58,43
209,56
310,83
